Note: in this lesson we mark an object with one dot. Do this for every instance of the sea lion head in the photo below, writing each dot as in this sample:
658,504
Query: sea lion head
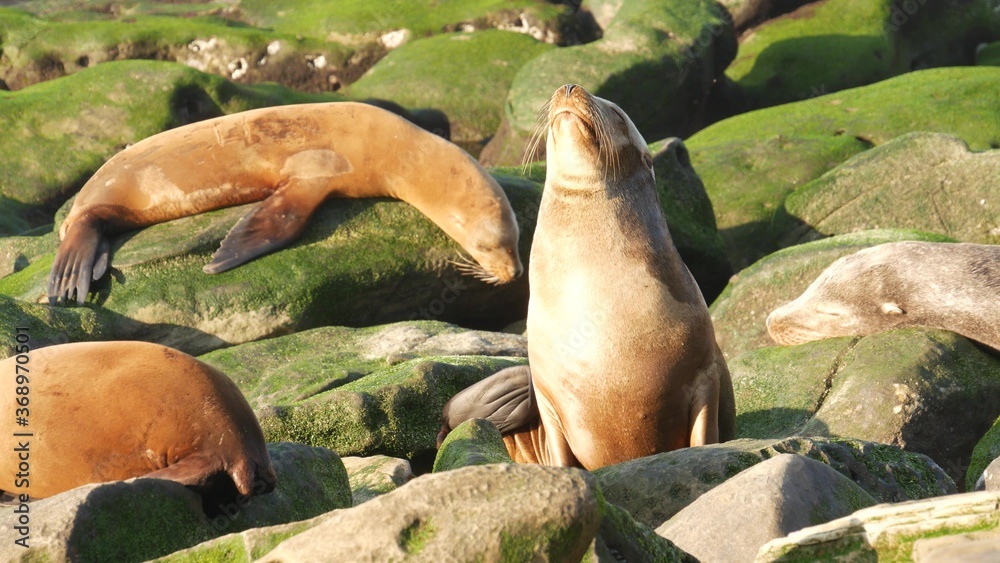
591,141
859,294
490,236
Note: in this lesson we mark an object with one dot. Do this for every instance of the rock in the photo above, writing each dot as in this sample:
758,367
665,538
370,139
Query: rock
740,311
14,220
909,387
474,442
369,261
748,13
375,475
466,75
806,53
621,538
141,519
676,49
770,500
989,480
360,392
490,513
39,49
927,530
653,489
987,451
244,546
988,55
751,162
38,326
924,181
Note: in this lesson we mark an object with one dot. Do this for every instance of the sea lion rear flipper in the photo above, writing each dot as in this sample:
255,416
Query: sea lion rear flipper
272,224
82,257
506,398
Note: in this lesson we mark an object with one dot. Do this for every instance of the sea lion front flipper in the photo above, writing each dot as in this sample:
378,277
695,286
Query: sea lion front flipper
82,257
272,224
506,398
196,470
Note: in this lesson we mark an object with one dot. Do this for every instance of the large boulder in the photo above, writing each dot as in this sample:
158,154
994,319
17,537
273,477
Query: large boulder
953,528
361,392
739,314
751,162
807,53
925,181
489,513
466,75
375,475
984,456
141,519
657,60
913,387
770,500
473,442
38,326
653,489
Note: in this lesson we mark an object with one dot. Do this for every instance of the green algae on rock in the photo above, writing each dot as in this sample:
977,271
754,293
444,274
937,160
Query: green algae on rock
36,50
751,162
829,46
46,325
375,475
466,75
986,450
473,442
925,181
740,311
672,51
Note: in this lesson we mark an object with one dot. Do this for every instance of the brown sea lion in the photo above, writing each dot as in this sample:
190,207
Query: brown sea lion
292,158
622,353
895,285
108,411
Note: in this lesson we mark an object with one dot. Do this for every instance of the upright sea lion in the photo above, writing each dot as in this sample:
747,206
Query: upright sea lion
107,411
622,353
895,285
292,158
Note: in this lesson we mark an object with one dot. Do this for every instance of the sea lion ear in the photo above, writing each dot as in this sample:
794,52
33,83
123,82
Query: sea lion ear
892,309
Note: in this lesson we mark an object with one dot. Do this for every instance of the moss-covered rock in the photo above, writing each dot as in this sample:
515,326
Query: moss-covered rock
488,513
751,162
652,489
668,51
929,530
36,49
909,387
141,519
925,181
45,326
244,547
769,500
59,132
740,311
474,442
621,537
987,450
466,75
829,46
375,475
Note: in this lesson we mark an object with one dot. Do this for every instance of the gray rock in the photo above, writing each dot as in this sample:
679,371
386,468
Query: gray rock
141,519
986,452
655,488
925,181
490,513
375,475
770,500
951,526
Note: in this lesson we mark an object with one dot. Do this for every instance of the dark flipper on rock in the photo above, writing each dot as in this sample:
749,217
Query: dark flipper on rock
274,223
505,398
82,257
